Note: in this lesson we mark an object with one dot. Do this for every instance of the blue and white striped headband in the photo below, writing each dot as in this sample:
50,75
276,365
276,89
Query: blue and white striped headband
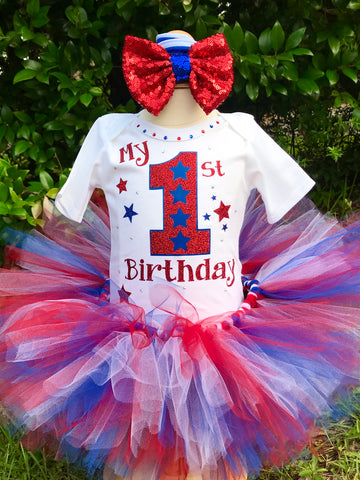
177,45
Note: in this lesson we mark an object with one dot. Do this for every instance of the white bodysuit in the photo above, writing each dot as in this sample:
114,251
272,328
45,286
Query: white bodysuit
177,198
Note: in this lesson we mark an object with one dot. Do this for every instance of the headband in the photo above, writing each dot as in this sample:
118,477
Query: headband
151,70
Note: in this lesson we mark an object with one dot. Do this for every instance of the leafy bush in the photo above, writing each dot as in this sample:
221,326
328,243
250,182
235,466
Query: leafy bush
60,70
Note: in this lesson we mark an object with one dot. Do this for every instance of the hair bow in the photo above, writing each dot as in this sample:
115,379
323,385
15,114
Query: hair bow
151,72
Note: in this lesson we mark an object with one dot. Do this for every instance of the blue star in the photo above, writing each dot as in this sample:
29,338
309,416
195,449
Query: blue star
180,241
180,218
224,227
129,212
213,197
180,171
206,216
179,194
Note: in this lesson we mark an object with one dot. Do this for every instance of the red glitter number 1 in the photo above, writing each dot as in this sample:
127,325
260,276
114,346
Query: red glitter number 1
180,235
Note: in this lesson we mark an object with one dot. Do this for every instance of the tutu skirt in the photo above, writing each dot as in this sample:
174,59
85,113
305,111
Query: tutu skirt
154,395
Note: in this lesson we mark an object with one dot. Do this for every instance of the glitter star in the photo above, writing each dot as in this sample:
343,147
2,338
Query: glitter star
179,194
180,218
122,186
180,171
222,211
180,242
129,212
213,197
224,227
206,216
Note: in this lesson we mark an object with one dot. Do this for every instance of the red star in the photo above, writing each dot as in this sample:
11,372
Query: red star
122,186
222,211
123,294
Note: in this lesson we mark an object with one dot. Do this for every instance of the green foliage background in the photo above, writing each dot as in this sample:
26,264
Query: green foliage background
296,69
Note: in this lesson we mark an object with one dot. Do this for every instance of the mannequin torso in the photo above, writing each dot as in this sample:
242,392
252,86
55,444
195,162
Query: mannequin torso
181,110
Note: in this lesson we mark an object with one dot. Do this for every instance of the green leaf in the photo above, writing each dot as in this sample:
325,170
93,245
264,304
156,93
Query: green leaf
18,211
238,35
271,60
33,7
295,38
121,3
251,42
73,101
279,88
187,7
290,72
348,98
54,125
41,40
76,15
348,56
34,152
24,75
52,193
285,56
21,147
43,77
252,58
86,99
35,187
4,210
356,113
46,181
10,135
320,61
332,76
244,69
62,180
24,132
23,117
302,51
354,5
200,28
26,34
308,86
65,81
164,9
19,186
265,41
334,44
2,131
252,91
32,65
277,36
4,192
313,73
350,73
229,36
41,19
96,91
14,196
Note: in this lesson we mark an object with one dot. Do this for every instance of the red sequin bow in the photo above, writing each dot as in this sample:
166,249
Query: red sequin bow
149,74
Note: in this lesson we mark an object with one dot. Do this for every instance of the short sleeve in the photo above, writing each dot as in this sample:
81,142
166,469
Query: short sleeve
281,182
74,196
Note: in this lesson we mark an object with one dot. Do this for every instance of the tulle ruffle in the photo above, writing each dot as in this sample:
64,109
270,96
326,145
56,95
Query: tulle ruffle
152,394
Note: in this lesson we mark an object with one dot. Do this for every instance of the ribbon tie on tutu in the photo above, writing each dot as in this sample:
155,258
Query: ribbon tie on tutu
151,70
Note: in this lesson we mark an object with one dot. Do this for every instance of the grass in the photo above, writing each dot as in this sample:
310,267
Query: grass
335,456
17,463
